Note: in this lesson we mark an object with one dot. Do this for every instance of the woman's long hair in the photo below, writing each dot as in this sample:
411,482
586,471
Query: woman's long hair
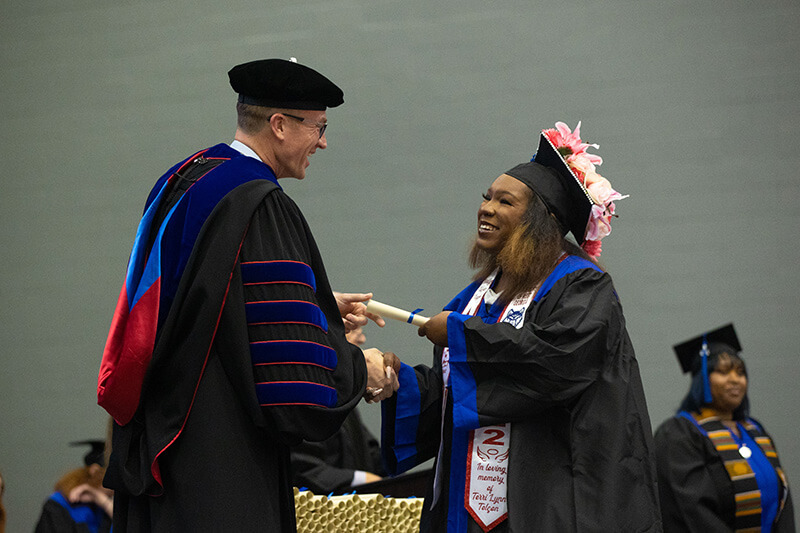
529,254
718,352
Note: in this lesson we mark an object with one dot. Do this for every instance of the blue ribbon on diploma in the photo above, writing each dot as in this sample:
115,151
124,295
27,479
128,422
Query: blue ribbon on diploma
411,316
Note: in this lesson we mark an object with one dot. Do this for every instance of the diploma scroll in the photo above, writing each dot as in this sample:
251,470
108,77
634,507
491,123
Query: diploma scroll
387,311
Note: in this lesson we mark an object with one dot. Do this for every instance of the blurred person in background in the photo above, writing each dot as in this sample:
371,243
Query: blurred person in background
80,503
718,469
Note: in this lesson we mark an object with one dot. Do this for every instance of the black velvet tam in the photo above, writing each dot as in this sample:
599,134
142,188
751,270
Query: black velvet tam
284,84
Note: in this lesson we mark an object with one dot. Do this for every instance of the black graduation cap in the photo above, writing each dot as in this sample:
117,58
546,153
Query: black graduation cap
549,176
689,352
97,453
286,84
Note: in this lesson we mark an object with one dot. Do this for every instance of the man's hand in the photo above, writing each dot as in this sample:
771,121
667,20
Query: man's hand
382,379
436,329
354,310
356,336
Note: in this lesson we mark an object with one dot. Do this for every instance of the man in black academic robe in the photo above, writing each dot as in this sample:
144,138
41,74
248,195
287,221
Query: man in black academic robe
228,344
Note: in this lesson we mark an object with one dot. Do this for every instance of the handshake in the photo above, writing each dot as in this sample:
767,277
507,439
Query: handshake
382,370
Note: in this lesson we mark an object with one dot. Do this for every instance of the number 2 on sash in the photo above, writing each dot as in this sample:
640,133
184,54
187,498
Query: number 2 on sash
496,440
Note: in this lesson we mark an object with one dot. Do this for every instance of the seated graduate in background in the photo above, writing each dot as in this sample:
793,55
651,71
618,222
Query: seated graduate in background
533,407
352,456
718,470
80,503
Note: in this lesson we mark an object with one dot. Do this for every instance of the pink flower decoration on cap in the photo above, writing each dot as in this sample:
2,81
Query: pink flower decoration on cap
593,248
569,143
583,165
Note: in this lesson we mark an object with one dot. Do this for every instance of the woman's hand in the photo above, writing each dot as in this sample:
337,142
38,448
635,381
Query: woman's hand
436,329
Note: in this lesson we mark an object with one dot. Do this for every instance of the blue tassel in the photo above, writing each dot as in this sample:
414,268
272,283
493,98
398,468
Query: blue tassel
706,384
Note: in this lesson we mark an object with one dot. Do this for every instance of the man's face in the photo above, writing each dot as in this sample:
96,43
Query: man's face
302,138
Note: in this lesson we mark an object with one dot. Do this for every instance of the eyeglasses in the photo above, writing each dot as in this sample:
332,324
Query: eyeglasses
321,125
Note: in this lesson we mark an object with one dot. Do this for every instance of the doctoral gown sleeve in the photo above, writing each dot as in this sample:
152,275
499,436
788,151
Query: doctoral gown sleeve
304,377
695,491
503,374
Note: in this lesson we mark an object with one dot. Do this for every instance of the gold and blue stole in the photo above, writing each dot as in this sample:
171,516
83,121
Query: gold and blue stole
743,458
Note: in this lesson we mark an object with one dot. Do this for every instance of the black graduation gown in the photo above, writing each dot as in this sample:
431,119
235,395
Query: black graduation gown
59,516
208,448
696,492
328,466
581,452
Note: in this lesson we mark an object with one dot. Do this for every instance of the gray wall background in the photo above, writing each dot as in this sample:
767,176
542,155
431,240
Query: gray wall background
694,105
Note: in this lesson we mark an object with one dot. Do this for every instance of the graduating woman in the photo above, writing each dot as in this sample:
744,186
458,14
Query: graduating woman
534,407
718,470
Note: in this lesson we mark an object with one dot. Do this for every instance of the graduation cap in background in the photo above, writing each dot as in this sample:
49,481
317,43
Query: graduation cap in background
549,176
97,453
692,350
285,84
